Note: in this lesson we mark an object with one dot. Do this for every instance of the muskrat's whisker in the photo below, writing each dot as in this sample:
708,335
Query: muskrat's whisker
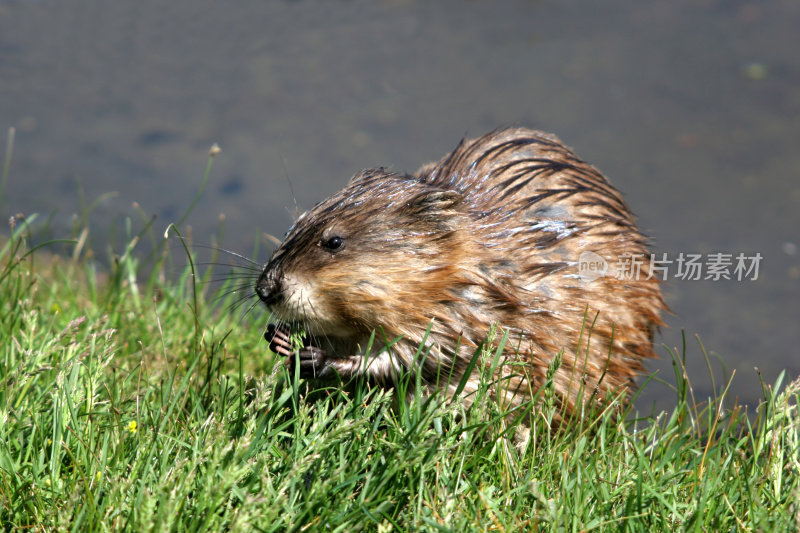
240,281
225,281
317,339
250,308
225,264
240,293
231,253
305,305
226,298
240,269
236,306
238,288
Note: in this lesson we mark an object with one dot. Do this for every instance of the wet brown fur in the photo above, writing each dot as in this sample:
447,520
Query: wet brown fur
489,235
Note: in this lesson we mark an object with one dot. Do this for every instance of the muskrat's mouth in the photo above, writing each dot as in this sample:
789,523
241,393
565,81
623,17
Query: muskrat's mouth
294,328
297,332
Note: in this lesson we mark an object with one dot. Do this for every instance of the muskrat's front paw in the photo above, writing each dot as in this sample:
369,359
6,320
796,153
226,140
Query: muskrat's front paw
312,363
279,339
311,358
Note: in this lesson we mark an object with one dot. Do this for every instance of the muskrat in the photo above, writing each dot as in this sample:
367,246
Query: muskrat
491,235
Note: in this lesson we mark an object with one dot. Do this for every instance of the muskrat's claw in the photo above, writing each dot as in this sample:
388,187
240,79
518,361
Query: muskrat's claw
279,339
312,363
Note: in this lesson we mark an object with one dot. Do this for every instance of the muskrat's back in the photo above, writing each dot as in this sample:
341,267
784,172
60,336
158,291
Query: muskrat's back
493,234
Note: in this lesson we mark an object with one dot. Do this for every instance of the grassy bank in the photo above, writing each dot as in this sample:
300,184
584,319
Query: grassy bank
128,403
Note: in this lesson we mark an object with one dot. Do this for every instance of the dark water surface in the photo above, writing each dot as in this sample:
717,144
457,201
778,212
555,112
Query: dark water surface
692,108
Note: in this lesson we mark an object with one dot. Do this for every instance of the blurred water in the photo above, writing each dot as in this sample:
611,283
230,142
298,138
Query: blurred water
690,107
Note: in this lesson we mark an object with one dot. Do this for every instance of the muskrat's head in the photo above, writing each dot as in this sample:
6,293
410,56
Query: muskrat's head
370,254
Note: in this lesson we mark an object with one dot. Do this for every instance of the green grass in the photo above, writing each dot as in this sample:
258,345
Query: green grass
129,403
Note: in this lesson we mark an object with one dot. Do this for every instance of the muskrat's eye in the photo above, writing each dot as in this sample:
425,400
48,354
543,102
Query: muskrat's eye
334,243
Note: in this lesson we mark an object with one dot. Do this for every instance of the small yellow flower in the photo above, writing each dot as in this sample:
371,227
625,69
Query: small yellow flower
55,308
132,426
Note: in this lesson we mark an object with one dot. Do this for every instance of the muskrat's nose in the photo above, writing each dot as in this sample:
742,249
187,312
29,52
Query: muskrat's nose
267,287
